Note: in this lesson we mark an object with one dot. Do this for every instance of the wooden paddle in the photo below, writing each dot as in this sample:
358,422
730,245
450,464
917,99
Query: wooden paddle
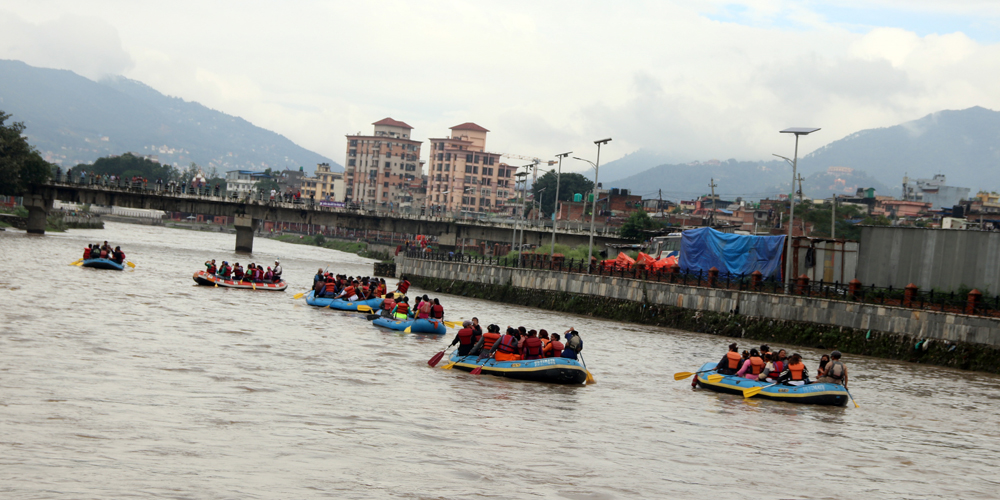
852,397
753,391
590,378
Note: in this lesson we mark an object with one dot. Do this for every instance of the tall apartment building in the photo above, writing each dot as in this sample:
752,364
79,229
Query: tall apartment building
463,178
381,167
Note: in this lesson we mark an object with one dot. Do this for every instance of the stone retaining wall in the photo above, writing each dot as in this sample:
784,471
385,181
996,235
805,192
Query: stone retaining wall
962,341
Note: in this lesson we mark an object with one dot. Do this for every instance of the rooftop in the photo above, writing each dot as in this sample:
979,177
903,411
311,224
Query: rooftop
393,123
469,126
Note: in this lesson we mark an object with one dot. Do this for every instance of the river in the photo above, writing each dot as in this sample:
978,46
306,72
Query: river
140,384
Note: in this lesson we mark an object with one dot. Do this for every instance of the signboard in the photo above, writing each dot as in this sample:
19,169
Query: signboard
333,204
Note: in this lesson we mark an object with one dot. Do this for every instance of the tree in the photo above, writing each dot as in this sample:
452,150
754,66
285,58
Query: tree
569,184
634,227
129,165
22,168
266,185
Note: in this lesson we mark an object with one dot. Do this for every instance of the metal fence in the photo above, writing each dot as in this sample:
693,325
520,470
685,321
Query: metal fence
957,302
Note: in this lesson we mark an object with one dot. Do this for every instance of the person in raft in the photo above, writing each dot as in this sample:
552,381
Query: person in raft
835,371
401,309
731,362
505,349
403,285
574,344
795,373
752,367
464,339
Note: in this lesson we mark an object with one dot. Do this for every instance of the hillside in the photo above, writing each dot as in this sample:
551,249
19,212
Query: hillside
963,144
73,120
745,179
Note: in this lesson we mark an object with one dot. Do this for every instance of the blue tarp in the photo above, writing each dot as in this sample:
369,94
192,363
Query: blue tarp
705,248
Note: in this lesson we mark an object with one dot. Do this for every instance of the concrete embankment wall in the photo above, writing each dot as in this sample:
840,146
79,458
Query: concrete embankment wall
968,342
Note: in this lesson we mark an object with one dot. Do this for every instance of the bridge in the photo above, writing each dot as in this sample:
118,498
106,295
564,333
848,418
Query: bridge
249,213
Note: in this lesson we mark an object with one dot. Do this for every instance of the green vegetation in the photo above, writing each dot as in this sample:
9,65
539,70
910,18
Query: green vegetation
634,227
577,253
569,184
128,166
22,168
266,185
355,247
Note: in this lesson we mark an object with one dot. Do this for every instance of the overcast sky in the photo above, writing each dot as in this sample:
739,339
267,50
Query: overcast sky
696,79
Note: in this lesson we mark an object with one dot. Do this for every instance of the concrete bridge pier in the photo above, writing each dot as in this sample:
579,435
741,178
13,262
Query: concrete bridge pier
245,226
38,210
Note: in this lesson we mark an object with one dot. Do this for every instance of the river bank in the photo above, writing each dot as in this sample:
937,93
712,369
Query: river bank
764,318
360,248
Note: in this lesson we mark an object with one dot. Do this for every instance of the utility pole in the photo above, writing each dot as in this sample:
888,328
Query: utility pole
659,206
833,217
800,188
713,185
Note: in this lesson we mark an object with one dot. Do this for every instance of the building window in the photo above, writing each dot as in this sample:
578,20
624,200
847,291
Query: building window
447,157
447,167
354,142
440,156
468,158
468,169
387,164
350,163
476,160
475,169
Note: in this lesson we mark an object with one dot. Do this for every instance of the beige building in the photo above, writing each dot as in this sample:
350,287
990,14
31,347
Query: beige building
381,167
462,178
324,185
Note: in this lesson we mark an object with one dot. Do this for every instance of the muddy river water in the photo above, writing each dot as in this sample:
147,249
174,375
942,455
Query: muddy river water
140,384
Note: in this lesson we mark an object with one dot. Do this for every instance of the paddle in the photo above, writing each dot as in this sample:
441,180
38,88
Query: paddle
453,324
753,391
684,375
129,263
479,369
365,308
590,378
80,261
300,295
852,397
435,359
373,317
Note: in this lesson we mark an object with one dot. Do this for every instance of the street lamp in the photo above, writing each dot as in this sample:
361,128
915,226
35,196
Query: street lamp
523,178
791,198
556,202
593,206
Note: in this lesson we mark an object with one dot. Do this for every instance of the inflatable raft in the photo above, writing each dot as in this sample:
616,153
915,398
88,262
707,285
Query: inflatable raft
206,279
816,394
103,264
434,326
551,370
341,304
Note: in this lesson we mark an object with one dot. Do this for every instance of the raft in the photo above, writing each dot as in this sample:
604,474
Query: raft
815,394
341,304
550,370
103,264
435,326
206,279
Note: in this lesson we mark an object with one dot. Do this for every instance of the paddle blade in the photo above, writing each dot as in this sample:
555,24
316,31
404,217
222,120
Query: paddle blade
365,309
435,359
715,378
372,317
590,378
79,261
751,392
131,264
477,370
299,295
407,330
253,285
216,285
682,375
448,366
78,264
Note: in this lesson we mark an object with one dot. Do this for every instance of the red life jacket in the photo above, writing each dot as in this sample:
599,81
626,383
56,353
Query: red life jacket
734,359
756,365
437,311
402,308
211,269
489,338
557,349
403,286
104,254
532,348
388,304
797,370
465,336
508,344
778,368
86,253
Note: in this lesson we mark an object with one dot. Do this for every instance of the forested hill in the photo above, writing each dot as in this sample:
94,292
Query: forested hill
73,120
964,145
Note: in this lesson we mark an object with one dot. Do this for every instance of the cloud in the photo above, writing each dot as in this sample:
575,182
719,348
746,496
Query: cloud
89,46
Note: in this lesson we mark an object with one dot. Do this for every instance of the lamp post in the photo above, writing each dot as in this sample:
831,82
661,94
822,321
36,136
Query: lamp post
791,199
555,205
524,178
593,206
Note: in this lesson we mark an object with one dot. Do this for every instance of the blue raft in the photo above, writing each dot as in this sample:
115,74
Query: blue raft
817,394
435,326
103,264
551,370
341,304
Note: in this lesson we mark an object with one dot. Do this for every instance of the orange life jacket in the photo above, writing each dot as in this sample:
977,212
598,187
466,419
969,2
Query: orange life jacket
556,349
402,308
797,370
348,292
734,359
331,287
489,338
756,365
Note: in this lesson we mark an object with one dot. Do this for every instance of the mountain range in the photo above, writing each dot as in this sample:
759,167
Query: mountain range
73,120
962,144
